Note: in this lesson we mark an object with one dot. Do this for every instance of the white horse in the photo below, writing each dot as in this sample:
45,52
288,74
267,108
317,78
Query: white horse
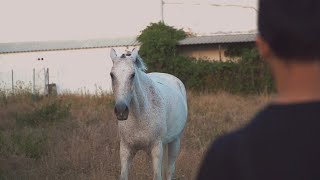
151,110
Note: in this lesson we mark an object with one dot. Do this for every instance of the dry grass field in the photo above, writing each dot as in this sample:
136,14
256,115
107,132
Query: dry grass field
76,137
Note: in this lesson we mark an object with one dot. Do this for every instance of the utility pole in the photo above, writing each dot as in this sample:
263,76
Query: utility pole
12,81
161,10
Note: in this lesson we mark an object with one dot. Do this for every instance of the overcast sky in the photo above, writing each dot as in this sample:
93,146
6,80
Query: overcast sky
42,20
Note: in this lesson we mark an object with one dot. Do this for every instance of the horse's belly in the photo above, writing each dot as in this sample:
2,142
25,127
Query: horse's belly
177,117
176,111
173,101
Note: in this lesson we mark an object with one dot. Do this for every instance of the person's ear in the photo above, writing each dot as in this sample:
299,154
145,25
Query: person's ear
264,48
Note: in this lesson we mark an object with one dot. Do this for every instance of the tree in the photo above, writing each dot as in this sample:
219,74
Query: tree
159,45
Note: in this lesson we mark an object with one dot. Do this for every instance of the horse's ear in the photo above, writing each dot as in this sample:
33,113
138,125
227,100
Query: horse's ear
113,54
134,54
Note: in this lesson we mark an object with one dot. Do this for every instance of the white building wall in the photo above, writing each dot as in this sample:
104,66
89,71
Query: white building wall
75,71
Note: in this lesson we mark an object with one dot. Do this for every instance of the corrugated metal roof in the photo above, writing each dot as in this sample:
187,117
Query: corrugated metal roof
103,43
216,39
65,45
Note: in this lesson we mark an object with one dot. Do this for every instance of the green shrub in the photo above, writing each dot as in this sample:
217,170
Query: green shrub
159,43
3,97
247,75
32,144
2,142
48,113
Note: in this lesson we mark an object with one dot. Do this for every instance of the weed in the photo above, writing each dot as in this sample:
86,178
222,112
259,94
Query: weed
32,144
3,97
2,142
48,113
86,146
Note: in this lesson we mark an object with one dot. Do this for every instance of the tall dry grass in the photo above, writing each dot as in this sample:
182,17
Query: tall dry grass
84,143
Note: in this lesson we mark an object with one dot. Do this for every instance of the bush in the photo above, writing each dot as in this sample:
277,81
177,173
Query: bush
29,139
48,113
31,144
247,75
2,143
3,97
159,43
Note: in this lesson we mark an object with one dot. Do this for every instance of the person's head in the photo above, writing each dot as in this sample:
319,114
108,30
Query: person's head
289,30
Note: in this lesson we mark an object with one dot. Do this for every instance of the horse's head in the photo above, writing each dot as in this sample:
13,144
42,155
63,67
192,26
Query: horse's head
123,74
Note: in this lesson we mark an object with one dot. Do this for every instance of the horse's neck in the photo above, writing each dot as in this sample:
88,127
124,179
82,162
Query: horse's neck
142,85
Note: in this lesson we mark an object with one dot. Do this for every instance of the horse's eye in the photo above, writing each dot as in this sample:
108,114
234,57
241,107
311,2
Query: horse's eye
132,75
112,76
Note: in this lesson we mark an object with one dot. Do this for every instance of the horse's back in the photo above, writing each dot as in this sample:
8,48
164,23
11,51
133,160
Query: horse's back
170,81
174,93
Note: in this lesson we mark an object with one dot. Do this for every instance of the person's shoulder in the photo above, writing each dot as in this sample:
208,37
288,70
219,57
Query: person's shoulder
228,157
284,115
226,143
224,154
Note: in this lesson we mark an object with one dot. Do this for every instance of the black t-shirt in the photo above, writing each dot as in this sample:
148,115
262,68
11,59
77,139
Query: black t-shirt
281,142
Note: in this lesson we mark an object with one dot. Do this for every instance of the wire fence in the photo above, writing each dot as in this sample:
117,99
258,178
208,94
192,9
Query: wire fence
36,81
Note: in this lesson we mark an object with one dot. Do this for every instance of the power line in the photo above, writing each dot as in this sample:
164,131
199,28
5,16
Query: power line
212,4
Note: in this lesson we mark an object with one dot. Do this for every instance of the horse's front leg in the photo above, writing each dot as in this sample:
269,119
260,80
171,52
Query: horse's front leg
126,156
156,154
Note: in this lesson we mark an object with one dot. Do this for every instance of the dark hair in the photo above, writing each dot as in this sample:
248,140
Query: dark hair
291,27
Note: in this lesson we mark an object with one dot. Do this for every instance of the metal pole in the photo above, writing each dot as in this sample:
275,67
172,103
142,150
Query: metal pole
48,76
48,81
45,79
12,81
161,10
34,81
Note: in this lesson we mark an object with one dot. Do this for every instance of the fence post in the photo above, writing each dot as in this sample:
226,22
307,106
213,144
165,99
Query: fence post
48,76
34,81
46,81
12,81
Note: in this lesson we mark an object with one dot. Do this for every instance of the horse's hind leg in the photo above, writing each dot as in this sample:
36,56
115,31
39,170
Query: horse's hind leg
173,151
126,156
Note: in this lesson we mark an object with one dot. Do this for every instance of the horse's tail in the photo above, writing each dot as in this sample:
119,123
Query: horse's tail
165,161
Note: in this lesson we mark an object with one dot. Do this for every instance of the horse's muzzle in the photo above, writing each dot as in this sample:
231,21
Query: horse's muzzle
122,111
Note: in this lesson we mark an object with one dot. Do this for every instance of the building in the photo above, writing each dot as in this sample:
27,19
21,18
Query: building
83,66
72,66
213,47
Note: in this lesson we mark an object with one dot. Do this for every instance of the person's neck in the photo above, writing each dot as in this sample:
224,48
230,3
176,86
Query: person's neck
298,83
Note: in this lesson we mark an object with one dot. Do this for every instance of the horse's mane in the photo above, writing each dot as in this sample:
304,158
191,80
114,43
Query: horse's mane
138,61
140,64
